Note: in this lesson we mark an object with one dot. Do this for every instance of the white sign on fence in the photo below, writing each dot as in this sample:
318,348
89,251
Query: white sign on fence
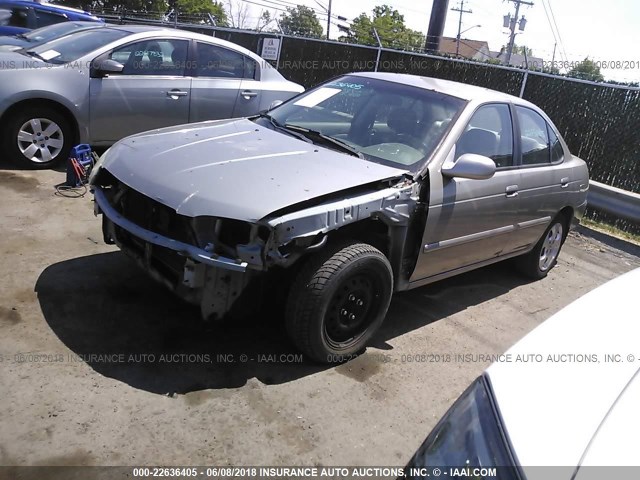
270,48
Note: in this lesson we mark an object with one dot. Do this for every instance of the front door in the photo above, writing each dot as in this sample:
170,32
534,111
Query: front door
151,92
470,221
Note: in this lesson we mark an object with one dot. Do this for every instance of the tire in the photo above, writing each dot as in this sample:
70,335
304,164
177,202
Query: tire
338,300
538,262
26,149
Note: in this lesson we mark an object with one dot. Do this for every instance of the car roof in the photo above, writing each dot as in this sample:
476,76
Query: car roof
456,89
552,410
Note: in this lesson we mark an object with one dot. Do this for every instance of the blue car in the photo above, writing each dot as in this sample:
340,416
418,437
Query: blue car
19,16
36,37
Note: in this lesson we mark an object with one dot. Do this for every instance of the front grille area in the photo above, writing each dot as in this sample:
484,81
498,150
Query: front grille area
154,216
169,263
217,235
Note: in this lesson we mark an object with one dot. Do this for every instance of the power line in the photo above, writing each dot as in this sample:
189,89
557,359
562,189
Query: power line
557,29
563,56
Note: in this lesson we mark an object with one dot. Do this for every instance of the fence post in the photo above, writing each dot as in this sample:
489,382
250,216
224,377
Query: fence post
524,82
279,50
375,32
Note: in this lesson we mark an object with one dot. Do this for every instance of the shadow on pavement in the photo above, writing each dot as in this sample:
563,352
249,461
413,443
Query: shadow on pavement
104,304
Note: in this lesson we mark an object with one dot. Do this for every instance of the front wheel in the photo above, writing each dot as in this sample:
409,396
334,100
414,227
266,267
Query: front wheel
539,261
338,300
37,138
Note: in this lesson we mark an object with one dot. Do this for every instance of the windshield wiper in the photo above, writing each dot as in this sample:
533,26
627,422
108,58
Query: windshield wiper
35,54
320,137
283,128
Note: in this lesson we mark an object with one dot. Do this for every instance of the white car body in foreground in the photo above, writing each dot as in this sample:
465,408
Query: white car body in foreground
567,394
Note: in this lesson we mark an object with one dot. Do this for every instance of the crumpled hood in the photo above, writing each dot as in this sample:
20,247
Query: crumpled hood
234,169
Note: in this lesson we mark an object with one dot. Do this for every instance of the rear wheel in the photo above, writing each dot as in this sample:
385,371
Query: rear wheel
338,300
539,261
37,138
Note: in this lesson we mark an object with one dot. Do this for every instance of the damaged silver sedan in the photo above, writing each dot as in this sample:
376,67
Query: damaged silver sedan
368,184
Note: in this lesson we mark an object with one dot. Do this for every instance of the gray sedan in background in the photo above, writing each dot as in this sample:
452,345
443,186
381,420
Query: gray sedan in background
98,86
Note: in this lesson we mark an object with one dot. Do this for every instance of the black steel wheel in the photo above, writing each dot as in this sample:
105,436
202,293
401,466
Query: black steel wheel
338,300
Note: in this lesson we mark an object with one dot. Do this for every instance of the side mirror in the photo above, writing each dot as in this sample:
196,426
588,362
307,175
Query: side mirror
104,67
275,104
470,165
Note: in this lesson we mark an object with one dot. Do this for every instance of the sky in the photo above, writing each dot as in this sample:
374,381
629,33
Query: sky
604,31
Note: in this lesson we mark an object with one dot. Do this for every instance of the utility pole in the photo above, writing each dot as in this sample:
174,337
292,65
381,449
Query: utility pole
461,10
436,25
512,27
328,19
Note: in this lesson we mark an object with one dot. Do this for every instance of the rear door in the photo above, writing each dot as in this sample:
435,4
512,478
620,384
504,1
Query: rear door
222,85
544,177
151,92
470,221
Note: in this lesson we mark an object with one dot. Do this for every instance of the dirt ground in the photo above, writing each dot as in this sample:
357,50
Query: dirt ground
101,366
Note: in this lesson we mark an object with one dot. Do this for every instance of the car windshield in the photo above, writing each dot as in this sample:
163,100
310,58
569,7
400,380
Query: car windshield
467,436
384,122
71,47
53,31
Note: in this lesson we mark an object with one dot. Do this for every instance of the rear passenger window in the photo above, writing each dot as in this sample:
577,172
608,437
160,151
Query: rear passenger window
14,16
489,133
534,137
44,19
218,62
557,152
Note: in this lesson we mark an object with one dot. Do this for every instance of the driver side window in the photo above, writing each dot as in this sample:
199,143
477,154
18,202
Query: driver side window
165,57
489,133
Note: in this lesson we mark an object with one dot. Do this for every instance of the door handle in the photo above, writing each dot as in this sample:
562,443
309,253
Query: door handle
248,94
564,182
177,93
512,191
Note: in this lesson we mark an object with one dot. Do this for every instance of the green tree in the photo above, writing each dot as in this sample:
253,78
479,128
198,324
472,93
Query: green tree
587,70
301,21
144,6
389,24
194,7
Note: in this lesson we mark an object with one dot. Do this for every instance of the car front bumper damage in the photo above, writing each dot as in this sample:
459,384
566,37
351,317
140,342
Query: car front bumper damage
215,275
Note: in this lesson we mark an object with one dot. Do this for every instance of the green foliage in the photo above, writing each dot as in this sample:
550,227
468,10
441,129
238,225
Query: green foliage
587,70
146,6
192,7
301,21
159,7
389,24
